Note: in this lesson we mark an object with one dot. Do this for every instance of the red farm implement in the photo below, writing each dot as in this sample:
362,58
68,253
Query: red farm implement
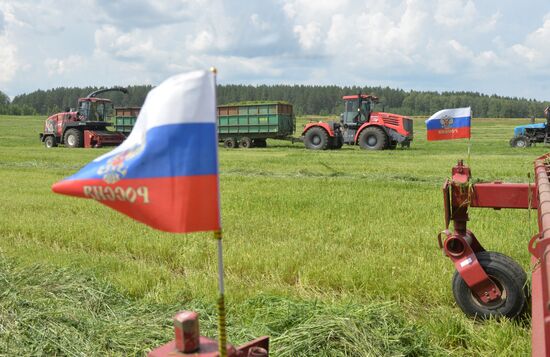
84,127
488,283
189,342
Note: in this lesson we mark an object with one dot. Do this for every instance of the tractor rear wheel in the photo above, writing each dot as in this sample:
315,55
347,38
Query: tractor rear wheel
49,141
507,275
73,138
316,139
245,142
520,141
229,143
372,138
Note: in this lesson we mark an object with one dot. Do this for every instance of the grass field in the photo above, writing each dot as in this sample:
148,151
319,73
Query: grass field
331,253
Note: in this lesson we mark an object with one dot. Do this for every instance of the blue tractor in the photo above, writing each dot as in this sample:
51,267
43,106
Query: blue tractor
525,135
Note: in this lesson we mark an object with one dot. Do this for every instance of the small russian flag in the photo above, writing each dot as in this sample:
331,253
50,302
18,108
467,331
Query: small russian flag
165,174
448,124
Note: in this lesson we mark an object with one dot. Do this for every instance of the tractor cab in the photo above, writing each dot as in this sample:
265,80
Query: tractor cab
357,109
94,109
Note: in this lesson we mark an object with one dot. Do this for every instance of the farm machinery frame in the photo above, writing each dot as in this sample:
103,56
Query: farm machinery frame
84,127
490,284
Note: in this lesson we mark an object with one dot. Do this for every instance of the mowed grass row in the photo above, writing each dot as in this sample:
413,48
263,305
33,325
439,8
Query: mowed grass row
340,227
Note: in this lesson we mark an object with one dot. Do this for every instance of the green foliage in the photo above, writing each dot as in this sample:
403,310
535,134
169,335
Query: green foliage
7,108
4,99
314,100
330,231
51,101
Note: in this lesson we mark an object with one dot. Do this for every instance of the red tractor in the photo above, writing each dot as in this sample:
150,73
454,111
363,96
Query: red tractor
85,127
360,125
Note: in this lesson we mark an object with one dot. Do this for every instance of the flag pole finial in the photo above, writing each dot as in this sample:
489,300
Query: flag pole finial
213,70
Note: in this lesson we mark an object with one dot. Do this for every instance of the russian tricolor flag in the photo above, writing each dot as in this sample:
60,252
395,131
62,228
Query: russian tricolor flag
449,124
165,174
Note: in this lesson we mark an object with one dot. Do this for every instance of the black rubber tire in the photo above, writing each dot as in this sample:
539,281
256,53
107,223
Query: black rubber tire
373,138
510,278
259,143
316,138
520,141
50,142
73,138
246,143
230,143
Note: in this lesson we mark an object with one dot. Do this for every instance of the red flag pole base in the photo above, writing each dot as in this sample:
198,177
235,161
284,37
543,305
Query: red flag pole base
188,342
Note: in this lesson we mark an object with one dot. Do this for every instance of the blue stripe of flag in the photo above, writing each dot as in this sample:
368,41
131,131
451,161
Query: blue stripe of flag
171,150
457,123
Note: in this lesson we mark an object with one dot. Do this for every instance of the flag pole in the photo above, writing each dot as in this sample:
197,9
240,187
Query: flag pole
222,333
470,138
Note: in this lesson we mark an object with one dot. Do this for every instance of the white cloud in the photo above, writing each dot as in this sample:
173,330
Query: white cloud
9,61
533,52
57,66
409,43
200,42
453,13
309,35
132,45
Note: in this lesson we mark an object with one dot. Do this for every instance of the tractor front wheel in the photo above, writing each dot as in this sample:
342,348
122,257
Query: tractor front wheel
520,141
49,141
507,275
73,138
372,138
316,139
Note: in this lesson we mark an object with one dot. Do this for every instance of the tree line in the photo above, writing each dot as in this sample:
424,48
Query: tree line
306,99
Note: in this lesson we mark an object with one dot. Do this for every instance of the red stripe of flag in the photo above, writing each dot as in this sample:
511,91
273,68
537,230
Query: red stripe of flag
156,201
449,133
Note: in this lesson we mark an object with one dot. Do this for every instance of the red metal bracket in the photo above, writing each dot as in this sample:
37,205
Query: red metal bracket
188,342
459,249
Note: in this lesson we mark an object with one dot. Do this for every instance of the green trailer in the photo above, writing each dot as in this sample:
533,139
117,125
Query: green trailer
244,124
250,124
125,118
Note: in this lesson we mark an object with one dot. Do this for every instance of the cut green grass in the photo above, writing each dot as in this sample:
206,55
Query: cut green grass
344,227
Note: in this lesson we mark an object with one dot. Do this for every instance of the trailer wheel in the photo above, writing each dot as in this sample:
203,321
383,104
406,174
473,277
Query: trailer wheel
316,139
507,275
229,143
372,138
520,141
246,143
73,138
49,141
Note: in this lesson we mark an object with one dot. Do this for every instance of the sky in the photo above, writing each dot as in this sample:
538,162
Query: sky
491,46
